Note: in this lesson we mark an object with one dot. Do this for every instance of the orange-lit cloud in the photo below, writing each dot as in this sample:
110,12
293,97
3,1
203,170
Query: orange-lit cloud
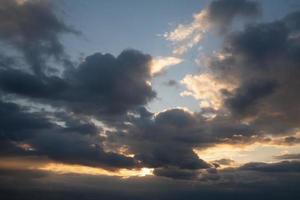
255,152
206,89
185,36
161,64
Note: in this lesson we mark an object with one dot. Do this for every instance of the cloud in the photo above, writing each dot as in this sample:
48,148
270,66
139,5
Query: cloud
76,142
219,14
248,95
224,161
102,84
288,157
33,29
164,141
97,114
185,36
284,166
206,89
79,149
256,79
161,64
25,184
223,12
177,173
171,83
17,124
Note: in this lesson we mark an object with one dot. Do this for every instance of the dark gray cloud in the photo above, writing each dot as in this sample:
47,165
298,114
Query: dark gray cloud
33,28
163,141
77,142
166,140
231,185
223,12
262,61
80,149
177,173
17,124
284,166
210,174
171,83
288,157
246,96
102,84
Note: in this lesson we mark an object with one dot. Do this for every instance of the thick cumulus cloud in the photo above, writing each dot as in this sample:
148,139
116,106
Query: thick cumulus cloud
259,69
33,29
166,141
260,61
102,84
264,60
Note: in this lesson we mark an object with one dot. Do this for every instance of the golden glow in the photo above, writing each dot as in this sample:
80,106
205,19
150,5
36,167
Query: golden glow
79,169
44,164
256,152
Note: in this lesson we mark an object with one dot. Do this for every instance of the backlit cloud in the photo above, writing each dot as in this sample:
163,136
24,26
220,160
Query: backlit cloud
161,64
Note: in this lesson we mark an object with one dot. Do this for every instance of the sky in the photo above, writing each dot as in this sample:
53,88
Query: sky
149,99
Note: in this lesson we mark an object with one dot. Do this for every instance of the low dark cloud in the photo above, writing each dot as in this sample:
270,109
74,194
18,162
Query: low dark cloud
17,124
288,157
77,142
79,149
165,141
231,185
284,166
176,173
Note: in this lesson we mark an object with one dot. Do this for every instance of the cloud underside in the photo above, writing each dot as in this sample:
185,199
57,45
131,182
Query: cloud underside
94,113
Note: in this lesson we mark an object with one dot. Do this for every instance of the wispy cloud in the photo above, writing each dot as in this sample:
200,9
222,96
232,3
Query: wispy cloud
218,15
160,64
185,36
